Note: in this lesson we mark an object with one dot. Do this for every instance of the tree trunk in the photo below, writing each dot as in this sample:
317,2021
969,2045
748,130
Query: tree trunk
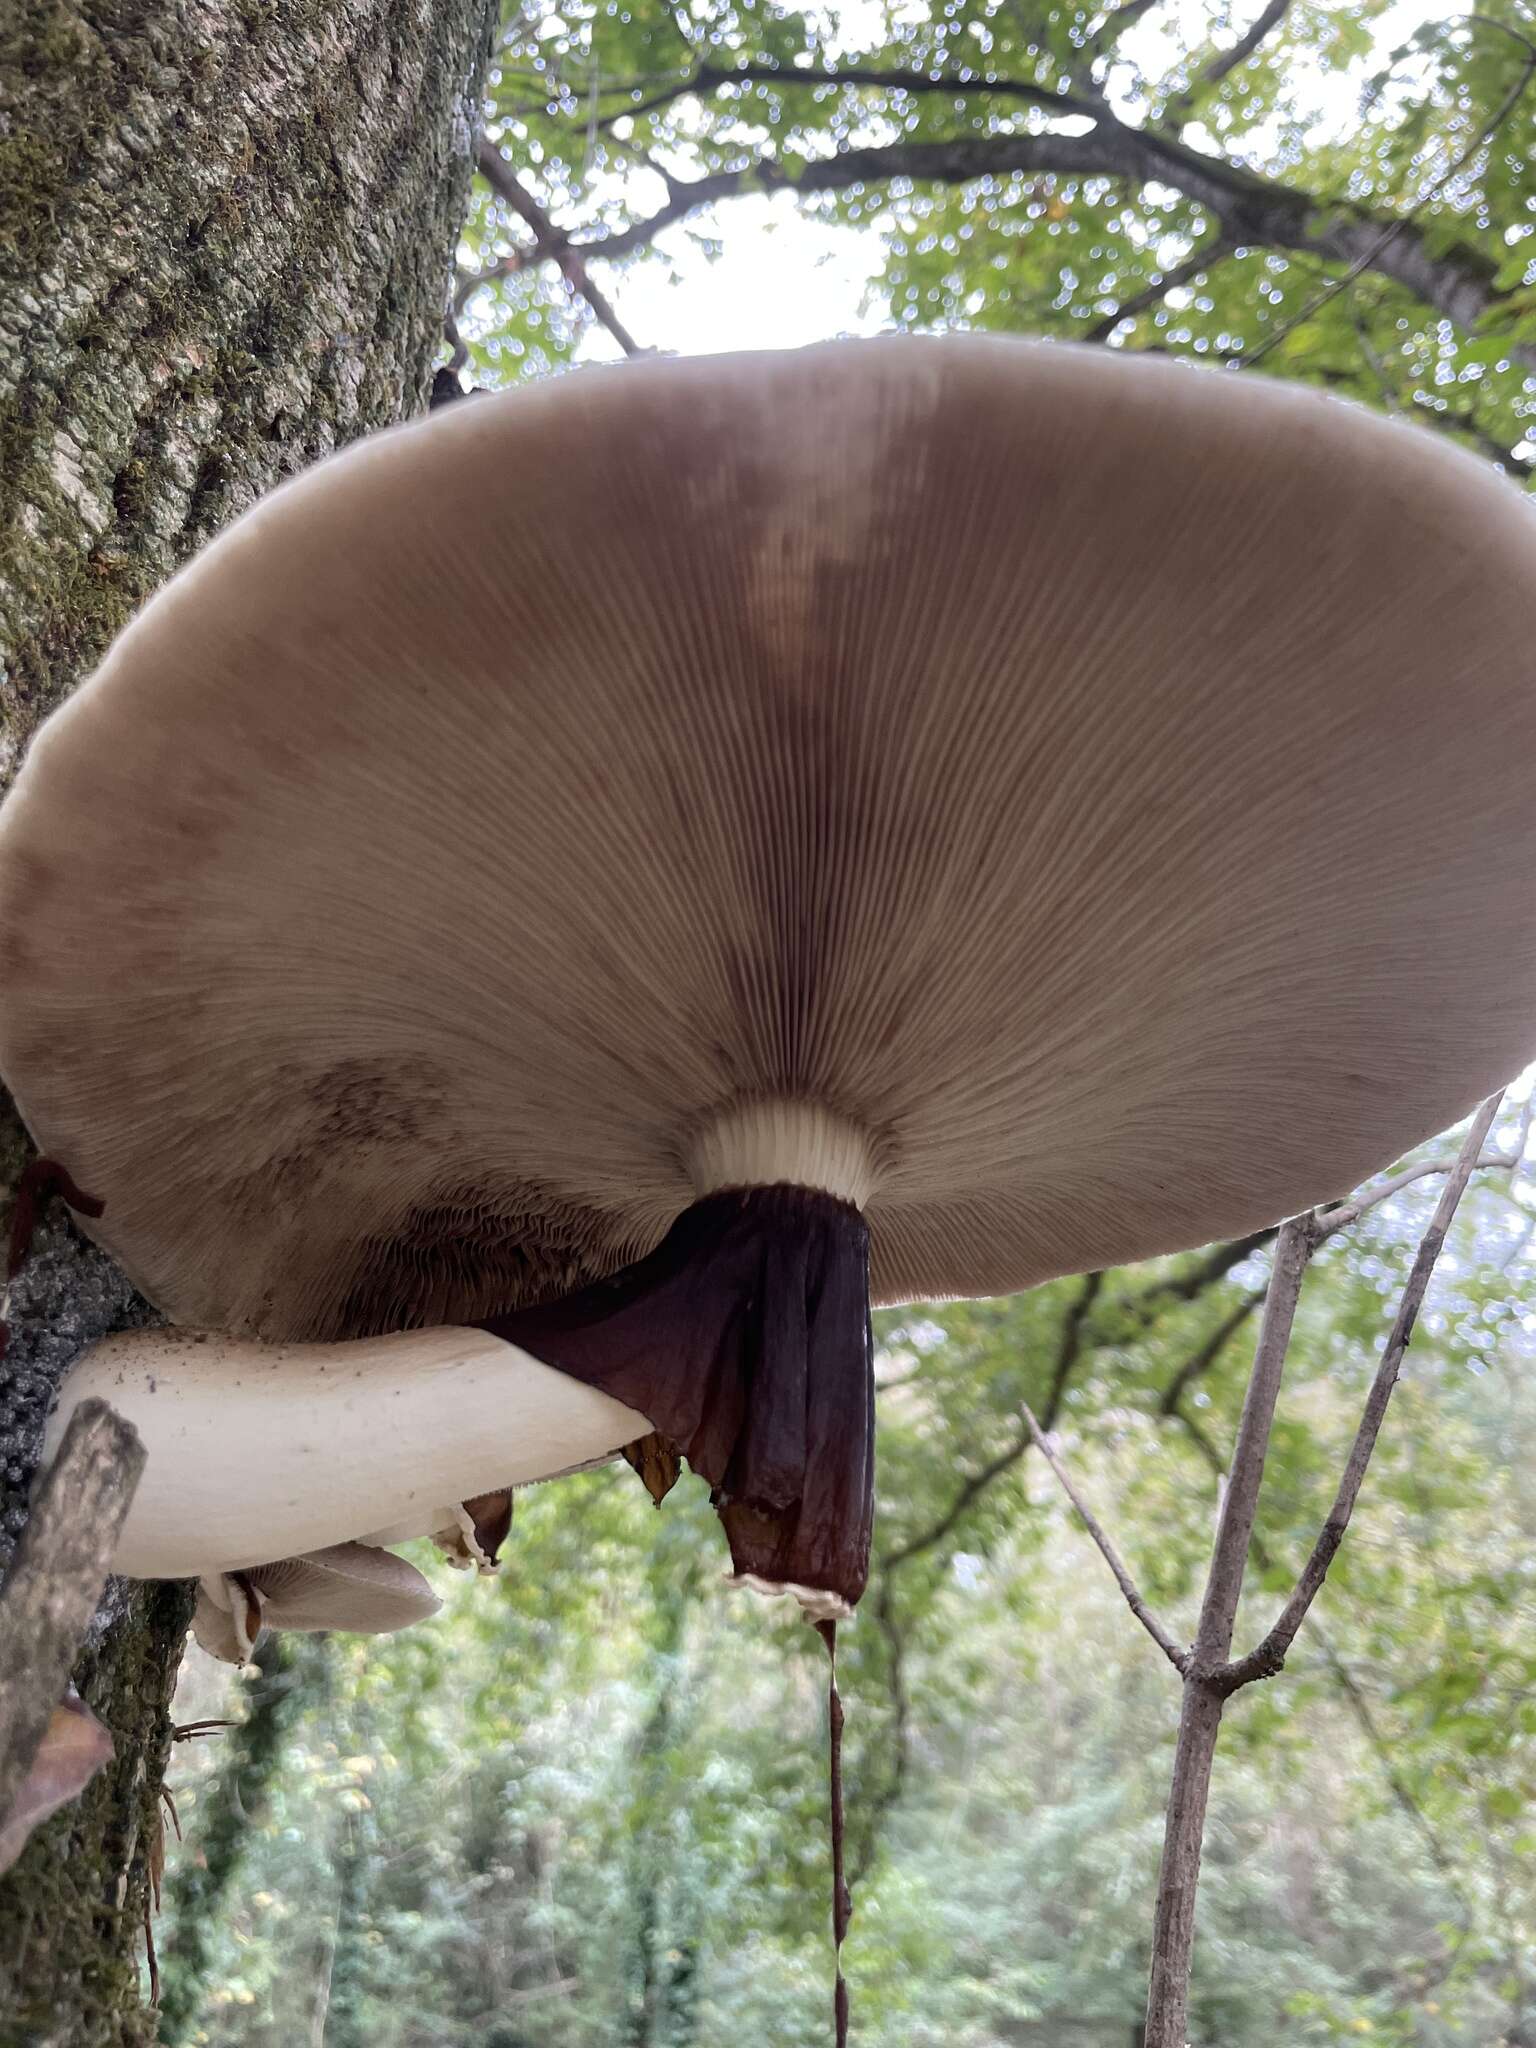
226,230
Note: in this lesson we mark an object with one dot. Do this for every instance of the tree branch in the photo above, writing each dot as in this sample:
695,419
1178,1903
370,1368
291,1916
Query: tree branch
1347,1684
1244,48
1133,1598
1204,258
1343,1214
550,243
1270,1655
1173,1929
56,1577
1370,256
1457,281
1114,25
712,78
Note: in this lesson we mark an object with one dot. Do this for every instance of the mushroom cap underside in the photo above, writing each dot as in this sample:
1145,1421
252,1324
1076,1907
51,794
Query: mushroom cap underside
1101,787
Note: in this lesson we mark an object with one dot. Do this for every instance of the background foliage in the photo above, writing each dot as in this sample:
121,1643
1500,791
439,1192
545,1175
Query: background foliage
586,1806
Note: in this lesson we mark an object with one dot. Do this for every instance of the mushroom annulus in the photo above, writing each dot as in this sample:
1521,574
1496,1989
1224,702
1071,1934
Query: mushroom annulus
568,901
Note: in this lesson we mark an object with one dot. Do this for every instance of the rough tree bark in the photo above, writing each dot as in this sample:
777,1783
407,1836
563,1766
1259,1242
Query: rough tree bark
226,228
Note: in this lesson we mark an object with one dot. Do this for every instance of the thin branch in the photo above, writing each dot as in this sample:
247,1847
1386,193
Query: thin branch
1346,1682
1210,1678
550,243
1114,25
1370,257
1244,48
1133,1598
1204,258
1218,1616
1173,1929
708,79
1343,1214
1270,1655
56,1576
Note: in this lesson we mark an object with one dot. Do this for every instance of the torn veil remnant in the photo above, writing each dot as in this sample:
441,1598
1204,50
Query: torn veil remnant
619,871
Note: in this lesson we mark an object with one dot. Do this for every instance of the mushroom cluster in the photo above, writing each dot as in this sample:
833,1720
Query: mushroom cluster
568,901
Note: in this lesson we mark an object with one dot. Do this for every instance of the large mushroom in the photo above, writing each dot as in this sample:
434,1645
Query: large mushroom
582,890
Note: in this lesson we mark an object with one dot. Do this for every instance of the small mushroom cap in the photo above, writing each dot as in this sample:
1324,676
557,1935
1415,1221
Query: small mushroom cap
1095,793
350,1586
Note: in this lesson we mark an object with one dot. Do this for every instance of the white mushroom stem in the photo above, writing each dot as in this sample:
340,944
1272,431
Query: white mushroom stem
260,1451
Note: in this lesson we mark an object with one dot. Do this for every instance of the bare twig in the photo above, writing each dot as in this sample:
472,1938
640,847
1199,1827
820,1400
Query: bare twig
1348,1686
1245,46
1342,1214
550,244
1370,257
1203,259
1210,1678
1269,1657
1133,1598
56,1576
1173,1930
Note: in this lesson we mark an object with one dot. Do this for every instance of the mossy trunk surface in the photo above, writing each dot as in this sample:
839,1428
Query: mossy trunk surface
226,231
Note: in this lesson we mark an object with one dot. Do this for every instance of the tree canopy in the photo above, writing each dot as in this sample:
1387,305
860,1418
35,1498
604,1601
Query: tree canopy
1342,197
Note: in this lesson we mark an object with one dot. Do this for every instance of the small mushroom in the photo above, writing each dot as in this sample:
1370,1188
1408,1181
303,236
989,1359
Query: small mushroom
352,1587
628,870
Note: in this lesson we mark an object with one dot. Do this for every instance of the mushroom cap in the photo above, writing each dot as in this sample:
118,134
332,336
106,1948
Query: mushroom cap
1079,805
350,1586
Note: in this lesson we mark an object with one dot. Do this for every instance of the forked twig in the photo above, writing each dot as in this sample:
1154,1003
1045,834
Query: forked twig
1209,1672
1210,1678
1178,1658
